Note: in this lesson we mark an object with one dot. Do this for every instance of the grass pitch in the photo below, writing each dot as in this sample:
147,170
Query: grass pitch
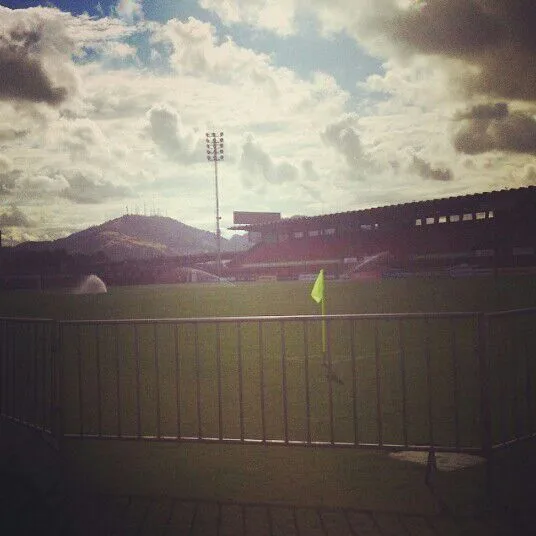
403,382
281,298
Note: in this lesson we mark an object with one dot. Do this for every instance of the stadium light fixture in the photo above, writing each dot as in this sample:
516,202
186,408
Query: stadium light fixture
215,153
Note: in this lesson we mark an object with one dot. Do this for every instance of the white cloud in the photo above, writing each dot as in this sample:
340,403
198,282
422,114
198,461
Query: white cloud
276,16
168,133
129,132
13,217
35,57
6,165
130,10
344,138
257,164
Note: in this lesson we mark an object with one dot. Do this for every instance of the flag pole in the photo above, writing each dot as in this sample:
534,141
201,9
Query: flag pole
324,327
319,296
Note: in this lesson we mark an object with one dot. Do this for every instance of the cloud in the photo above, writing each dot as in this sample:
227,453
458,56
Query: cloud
8,133
35,57
166,130
494,128
14,217
118,50
90,188
495,38
343,137
196,50
309,171
81,137
277,17
8,178
129,10
529,175
426,171
6,165
256,163
43,184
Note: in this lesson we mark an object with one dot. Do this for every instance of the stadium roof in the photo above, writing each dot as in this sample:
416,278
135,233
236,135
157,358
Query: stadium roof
496,199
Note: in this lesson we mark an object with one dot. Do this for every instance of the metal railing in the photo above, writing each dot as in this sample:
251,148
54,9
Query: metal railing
458,382
28,368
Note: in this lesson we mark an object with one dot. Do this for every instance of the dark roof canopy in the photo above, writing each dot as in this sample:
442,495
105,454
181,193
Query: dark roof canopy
496,200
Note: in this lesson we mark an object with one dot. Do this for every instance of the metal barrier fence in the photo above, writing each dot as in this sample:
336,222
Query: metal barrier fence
458,382
28,372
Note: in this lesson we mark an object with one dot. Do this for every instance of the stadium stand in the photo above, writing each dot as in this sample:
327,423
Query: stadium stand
486,232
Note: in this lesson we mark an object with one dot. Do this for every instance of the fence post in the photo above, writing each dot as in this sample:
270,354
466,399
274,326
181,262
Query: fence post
57,386
485,399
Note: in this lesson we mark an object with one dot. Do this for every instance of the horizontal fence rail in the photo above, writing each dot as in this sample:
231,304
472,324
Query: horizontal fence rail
458,382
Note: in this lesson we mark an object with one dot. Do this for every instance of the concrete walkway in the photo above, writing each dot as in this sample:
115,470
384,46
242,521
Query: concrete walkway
25,510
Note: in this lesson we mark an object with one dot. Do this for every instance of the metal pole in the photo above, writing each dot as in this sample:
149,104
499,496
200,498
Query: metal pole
218,230
214,154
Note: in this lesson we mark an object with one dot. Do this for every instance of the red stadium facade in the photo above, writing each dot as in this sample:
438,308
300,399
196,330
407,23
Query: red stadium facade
483,233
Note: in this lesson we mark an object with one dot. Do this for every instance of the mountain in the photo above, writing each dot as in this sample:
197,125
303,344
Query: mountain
137,237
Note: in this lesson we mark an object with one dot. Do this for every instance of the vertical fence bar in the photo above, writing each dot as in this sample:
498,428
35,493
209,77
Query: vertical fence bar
377,360
14,386
138,379
515,375
28,405
528,389
307,387
482,324
59,393
261,381
35,363
197,382
157,381
51,375
219,373
177,379
355,401
240,380
455,382
22,372
118,380
5,406
80,375
402,357
429,386
99,380
43,379
330,383
54,380
5,373
2,366
284,382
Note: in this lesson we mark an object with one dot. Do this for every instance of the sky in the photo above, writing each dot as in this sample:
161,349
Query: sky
326,106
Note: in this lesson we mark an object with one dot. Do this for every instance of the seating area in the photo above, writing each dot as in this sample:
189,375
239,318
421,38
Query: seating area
404,247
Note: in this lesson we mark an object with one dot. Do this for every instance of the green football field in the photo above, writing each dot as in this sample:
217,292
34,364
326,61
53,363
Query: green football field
412,381
393,381
281,298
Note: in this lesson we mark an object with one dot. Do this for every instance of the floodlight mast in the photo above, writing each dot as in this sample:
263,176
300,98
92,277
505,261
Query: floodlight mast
215,154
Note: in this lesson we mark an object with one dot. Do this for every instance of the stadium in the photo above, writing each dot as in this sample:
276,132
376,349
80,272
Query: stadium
483,233
233,394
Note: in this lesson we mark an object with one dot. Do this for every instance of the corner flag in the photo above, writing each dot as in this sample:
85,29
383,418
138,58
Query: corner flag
318,296
318,289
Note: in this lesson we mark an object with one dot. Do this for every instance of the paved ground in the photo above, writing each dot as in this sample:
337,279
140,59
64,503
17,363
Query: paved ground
26,510
33,502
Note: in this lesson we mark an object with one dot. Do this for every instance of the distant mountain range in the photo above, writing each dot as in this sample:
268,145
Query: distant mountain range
140,237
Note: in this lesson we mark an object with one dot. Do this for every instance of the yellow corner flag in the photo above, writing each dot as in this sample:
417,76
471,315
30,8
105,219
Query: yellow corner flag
318,289
318,296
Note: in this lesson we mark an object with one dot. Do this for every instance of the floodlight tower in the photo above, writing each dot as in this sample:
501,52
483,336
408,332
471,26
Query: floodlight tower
215,154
